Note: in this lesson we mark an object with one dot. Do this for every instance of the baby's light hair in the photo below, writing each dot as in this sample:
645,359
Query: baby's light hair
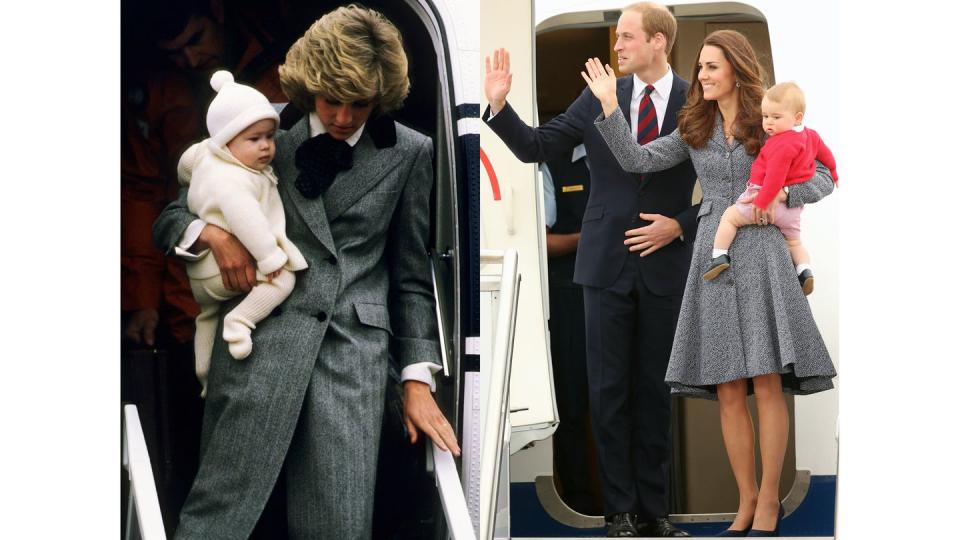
789,94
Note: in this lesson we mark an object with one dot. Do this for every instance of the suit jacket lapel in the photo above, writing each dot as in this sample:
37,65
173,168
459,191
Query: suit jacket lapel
624,95
674,104
311,210
370,166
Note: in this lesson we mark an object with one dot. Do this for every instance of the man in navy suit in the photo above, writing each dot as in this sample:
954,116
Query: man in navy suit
632,260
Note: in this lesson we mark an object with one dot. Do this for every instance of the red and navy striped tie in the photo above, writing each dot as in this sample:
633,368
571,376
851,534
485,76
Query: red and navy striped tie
647,119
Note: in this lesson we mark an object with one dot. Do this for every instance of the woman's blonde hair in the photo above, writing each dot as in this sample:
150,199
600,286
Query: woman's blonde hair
697,117
350,54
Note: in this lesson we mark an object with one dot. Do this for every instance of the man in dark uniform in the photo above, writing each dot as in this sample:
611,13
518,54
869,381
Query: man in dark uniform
566,189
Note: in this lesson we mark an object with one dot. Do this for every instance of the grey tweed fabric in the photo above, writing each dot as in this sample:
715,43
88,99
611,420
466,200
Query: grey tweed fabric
753,319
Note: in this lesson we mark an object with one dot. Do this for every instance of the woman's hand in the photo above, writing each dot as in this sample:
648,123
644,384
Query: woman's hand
764,216
420,413
237,266
603,83
496,86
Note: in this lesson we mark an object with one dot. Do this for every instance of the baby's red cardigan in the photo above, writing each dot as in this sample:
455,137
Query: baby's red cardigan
786,159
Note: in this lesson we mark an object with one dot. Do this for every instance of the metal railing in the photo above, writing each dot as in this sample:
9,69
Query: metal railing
497,370
436,304
452,498
143,507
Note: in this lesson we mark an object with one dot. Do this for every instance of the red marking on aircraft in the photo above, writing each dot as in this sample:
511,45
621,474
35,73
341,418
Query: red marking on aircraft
490,174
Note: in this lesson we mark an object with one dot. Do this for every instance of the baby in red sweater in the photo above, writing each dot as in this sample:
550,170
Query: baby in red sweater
786,158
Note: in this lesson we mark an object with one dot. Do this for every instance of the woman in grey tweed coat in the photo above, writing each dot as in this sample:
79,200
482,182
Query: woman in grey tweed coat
750,330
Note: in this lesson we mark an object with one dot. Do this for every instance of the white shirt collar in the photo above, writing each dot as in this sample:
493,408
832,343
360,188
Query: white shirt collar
661,86
317,128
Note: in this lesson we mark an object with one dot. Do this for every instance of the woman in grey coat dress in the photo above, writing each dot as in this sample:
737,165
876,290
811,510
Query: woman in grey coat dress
751,330
308,403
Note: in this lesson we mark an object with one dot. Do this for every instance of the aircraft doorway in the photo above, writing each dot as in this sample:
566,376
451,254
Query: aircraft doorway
700,481
407,497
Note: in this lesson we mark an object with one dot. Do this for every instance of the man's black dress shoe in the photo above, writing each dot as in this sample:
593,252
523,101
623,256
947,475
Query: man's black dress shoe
776,527
622,525
717,266
806,281
659,528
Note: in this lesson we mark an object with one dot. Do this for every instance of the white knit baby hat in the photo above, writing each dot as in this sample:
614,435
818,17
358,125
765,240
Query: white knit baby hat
235,108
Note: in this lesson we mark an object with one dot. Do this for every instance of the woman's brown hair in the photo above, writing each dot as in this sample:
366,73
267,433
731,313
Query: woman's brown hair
697,118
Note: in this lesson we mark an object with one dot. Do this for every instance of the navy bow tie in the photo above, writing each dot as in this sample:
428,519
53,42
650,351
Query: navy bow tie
319,160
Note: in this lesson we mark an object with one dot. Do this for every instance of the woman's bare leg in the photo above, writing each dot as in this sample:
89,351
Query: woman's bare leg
774,423
737,428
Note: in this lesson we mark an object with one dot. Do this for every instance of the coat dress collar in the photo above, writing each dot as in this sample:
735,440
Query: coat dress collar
375,156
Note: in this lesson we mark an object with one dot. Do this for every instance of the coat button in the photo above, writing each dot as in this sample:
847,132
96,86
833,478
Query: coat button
332,260
322,316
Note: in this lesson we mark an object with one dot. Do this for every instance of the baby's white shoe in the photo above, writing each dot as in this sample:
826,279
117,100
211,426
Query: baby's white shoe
236,332
241,348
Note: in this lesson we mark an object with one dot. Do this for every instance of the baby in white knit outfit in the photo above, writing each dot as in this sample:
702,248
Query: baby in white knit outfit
232,186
